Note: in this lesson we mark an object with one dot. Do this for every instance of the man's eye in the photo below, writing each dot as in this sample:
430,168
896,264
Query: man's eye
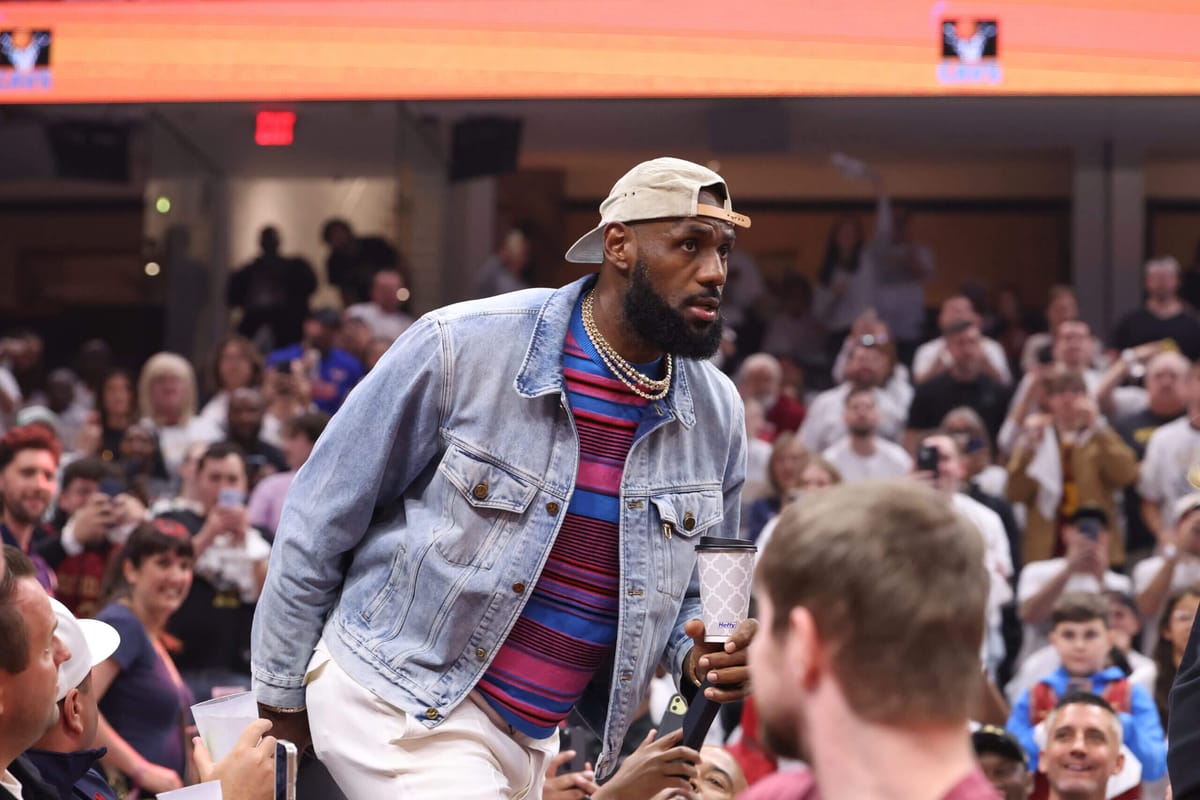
690,245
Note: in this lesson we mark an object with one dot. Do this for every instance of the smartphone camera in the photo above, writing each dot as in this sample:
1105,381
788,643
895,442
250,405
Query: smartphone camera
229,497
928,458
1090,528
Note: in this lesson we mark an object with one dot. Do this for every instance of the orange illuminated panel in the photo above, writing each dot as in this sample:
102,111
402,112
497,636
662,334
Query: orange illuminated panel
270,50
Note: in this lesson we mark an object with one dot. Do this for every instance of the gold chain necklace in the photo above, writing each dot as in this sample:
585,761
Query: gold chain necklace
625,372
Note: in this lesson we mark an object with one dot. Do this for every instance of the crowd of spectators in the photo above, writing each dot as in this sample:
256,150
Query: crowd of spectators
148,497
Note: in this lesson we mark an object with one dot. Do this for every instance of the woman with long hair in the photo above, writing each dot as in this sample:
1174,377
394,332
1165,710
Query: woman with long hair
1173,630
116,407
844,281
141,696
236,364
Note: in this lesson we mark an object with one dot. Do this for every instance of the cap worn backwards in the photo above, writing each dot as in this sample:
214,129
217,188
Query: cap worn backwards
664,188
90,642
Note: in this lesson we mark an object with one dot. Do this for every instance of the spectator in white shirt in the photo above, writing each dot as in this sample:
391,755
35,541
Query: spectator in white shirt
1061,306
1171,456
1084,568
948,478
867,367
861,455
1177,566
932,358
382,314
1071,349
870,330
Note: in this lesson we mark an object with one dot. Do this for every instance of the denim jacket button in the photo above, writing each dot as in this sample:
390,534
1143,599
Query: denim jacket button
519,587
480,491
480,653
431,713
552,508
689,521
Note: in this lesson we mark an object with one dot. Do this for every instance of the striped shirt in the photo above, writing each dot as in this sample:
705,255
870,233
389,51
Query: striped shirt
569,625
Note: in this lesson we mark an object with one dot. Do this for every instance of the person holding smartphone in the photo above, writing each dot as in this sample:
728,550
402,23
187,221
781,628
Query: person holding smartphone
1082,568
213,626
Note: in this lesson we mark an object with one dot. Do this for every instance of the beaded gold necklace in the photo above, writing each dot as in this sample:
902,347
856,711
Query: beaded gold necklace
625,371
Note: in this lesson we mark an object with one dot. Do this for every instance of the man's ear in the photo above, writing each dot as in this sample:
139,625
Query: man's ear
806,652
1120,763
72,711
620,247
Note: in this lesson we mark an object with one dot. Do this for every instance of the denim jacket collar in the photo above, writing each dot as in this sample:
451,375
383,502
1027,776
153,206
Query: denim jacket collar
541,372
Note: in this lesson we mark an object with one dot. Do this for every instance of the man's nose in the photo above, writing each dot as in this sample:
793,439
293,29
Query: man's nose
714,270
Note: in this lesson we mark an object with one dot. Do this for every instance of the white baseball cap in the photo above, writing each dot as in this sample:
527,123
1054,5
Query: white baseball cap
665,188
90,642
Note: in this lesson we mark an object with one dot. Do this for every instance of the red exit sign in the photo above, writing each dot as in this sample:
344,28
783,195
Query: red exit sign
274,128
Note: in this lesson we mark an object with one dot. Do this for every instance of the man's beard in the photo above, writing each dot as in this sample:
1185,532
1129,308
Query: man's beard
862,431
653,318
782,740
16,509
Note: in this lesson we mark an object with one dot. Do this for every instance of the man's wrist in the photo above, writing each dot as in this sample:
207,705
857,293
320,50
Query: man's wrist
282,709
70,543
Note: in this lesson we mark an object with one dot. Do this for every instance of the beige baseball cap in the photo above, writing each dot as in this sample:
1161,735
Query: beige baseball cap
665,188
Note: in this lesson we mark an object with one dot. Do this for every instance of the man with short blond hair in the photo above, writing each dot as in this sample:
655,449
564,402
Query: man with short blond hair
872,600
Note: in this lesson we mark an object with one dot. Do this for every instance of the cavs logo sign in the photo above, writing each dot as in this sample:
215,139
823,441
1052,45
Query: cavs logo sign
24,59
970,52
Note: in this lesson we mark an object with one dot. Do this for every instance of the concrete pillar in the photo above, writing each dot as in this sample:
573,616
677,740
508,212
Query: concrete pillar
1127,221
1108,222
470,231
1089,234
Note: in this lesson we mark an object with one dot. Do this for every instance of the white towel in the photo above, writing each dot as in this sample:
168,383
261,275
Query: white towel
1046,468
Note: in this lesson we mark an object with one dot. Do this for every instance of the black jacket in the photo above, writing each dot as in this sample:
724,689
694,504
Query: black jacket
1183,730
32,785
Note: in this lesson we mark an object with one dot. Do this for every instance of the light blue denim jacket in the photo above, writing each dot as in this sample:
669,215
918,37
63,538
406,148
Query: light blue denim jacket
414,533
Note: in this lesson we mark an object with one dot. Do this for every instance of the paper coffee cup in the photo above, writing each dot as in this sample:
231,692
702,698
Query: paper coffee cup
726,574
210,790
220,722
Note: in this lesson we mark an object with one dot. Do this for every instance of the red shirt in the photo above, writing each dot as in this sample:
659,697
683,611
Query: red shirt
800,785
786,414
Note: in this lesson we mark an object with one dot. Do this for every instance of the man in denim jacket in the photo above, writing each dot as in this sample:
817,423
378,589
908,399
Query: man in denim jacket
500,522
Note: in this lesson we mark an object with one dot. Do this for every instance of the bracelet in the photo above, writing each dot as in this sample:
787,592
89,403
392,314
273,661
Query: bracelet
281,710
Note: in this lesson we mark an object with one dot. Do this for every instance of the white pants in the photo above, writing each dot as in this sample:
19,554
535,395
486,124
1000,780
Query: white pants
375,751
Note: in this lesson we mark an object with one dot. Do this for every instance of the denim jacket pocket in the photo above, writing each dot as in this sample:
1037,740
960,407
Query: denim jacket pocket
682,516
484,504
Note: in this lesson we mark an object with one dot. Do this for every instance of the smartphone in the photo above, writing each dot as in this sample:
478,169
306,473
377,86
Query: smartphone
111,487
1090,528
285,770
928,458
572,738
674,715
229,497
